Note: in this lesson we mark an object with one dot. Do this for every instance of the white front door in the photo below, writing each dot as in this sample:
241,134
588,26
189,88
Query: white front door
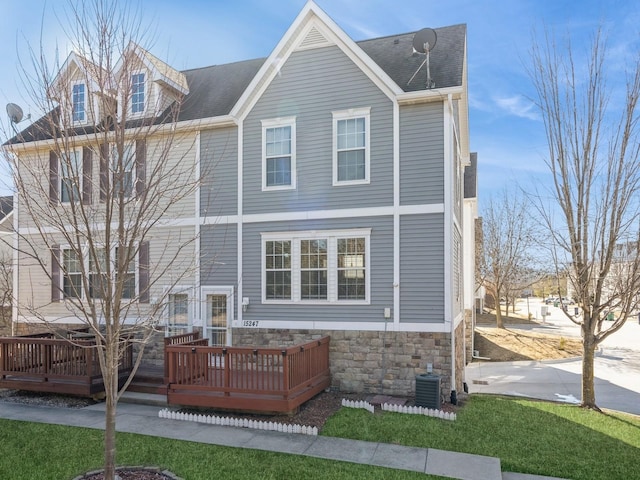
218,315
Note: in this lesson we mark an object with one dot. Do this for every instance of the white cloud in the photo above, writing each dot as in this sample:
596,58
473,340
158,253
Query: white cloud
517,105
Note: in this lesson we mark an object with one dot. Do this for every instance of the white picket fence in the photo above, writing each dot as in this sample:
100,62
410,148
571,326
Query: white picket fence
357,404
238,422
429,412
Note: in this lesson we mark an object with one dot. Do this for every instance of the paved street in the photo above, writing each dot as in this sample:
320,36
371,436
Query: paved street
617,368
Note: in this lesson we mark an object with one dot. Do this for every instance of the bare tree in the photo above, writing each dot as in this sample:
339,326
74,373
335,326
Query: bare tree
594,149
6,289
507,236
97,187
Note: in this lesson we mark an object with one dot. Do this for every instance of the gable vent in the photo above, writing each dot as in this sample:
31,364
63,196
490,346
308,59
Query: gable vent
314,39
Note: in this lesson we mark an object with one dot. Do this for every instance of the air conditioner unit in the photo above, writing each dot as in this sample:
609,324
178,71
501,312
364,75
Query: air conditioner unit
428,391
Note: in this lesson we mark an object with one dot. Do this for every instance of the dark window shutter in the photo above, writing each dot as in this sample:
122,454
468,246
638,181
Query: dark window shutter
141,167
53,178
143,272
55,273
87,170
104,171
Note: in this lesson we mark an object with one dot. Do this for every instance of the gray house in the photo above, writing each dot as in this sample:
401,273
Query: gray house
333,201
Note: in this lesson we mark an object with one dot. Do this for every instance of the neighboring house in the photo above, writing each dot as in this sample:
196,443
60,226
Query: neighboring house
337,198
6,261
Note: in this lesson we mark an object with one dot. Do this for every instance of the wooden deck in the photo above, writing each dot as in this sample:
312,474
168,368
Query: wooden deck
43,363
246,378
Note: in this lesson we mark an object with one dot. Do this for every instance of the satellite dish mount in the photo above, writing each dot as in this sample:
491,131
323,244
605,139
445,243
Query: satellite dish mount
15,114
423,42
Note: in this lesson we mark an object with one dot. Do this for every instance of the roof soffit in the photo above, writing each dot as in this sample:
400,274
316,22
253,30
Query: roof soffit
312,28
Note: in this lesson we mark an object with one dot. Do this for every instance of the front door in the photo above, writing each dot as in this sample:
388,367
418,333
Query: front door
178,314
218,315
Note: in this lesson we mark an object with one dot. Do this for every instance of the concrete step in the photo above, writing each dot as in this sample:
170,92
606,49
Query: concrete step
147,387
142,398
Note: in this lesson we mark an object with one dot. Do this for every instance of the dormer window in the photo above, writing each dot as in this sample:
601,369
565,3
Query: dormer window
137,93
78,101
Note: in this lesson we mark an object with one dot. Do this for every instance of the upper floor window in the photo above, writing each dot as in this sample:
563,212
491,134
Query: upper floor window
279,153
319,266
124,168
351,146
71,173
78,100
71,274
137,93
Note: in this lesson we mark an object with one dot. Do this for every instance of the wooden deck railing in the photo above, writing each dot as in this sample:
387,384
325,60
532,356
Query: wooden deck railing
54,365
191,338
259,378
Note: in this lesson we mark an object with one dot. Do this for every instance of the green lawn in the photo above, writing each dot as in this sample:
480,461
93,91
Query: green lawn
528,436
33,451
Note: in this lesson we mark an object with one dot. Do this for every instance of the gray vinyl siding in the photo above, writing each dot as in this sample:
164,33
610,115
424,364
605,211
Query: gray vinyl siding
310,86
381,274
219,171
219,255
422,268
421,154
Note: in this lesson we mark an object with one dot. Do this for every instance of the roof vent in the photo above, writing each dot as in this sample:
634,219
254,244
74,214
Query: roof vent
313,39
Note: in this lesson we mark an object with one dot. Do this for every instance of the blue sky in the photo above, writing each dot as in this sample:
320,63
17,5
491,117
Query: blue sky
505,128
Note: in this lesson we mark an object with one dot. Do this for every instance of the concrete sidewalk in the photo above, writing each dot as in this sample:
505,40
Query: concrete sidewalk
143,419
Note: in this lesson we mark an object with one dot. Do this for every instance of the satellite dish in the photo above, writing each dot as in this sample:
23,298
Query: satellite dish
15,113
425,40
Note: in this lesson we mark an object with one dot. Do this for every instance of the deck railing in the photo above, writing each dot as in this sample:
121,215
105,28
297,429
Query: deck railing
277,372
191,338
54,364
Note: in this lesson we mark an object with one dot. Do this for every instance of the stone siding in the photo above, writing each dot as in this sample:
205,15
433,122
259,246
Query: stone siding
369,362
469,329
459,356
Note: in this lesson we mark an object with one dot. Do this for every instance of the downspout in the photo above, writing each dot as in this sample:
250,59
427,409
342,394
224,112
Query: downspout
16,267
454,396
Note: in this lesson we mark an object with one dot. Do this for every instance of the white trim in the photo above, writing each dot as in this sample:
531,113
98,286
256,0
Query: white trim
197,226
77,170
332,237
349,326
189,290
279,123
131,115
239,219
396,213
428,209
430,95
218,290
311,14
85,104
448,216
352,114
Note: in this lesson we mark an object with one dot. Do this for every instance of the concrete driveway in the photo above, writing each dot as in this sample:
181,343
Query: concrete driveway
617,370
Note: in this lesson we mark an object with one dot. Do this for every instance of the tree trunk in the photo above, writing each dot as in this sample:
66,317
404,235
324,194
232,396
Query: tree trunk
499,322
111,392
588,387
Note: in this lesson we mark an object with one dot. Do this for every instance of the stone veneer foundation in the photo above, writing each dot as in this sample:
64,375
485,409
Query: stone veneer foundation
371,362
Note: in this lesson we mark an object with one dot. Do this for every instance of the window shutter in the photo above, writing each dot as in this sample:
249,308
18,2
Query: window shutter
55,273
87,170
104,171
143,272
53,178
141,167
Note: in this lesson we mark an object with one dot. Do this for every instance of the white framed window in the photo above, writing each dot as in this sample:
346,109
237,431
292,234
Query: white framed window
316,267
78,102
351,156
71,176
279,154
98,273
71,274
124,169
138,92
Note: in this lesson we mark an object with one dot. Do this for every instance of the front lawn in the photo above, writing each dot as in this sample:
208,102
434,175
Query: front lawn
528,436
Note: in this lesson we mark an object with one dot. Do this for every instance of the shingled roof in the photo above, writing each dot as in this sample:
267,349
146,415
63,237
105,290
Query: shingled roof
214,90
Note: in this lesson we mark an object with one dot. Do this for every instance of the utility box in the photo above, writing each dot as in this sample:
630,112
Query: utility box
428,391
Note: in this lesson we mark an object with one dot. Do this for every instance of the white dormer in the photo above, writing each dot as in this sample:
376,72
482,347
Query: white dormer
147,85
75,89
